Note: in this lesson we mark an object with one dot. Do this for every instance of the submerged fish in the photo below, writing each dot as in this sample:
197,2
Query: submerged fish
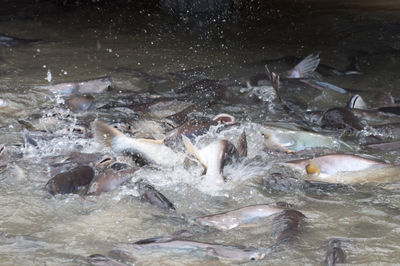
287,225
151,150
101,260
225,253
296,140
79,103
9,41
97,85
340,168
149,194
335,253
239,217
70,181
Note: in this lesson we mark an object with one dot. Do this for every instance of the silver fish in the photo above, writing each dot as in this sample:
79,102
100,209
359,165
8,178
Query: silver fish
151,150
296,140
230,254
97,85
344,169
239,217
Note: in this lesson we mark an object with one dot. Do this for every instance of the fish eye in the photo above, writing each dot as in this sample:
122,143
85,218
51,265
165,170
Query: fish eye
252,258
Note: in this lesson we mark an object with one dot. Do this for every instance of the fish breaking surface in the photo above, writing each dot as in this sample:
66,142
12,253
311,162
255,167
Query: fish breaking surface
167,147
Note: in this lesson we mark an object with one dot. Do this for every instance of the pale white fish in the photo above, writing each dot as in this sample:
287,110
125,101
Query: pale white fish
296,140
338,168
151,150
239,217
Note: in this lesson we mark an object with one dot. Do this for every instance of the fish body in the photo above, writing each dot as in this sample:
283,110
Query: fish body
149,194
296,140
213,157
344,169
97,85
335,254
151,150
70,181
231,219
108,180
9,41
226,253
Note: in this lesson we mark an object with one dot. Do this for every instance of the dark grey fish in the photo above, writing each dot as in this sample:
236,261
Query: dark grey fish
287,225
340,118
9,41
140,74
383,146
70,181
101,260
79,103
149,194
203,91
335,254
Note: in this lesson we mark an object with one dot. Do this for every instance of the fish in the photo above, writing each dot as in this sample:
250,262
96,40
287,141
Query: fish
340,118
343,169
151,150
149,194
224,253
290,141
205,90
382,146
214,157
239,217
335,254
101,260
197,127
108,180
287,225
70,181
9,41
79,103
356,101
96,85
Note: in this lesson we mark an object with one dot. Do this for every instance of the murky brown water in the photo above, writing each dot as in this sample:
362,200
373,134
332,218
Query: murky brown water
65,229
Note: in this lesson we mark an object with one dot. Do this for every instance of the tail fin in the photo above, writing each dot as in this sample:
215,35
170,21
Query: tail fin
104,133
305,68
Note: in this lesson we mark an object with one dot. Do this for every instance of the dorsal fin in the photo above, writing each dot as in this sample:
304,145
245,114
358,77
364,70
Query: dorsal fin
242,145
104,133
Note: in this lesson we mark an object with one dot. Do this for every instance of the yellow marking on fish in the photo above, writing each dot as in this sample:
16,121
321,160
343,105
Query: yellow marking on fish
290,151
313,168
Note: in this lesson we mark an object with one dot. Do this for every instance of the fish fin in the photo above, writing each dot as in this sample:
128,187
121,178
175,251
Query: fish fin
242,145
274,79
104,133
305,68
192,150
313,168
154,141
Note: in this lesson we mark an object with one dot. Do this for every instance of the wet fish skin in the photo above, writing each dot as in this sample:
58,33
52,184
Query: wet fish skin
333,163
232,219
203,91
296,140
79,103
151,150
101,260
108,180
9,41
149,194
70,181
96,85
225,253
287,225
339,118
335,254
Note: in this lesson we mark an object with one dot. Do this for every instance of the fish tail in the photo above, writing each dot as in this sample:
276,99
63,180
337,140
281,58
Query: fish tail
306,67
104,133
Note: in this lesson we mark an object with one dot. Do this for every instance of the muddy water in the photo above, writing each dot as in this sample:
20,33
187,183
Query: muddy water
65,229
